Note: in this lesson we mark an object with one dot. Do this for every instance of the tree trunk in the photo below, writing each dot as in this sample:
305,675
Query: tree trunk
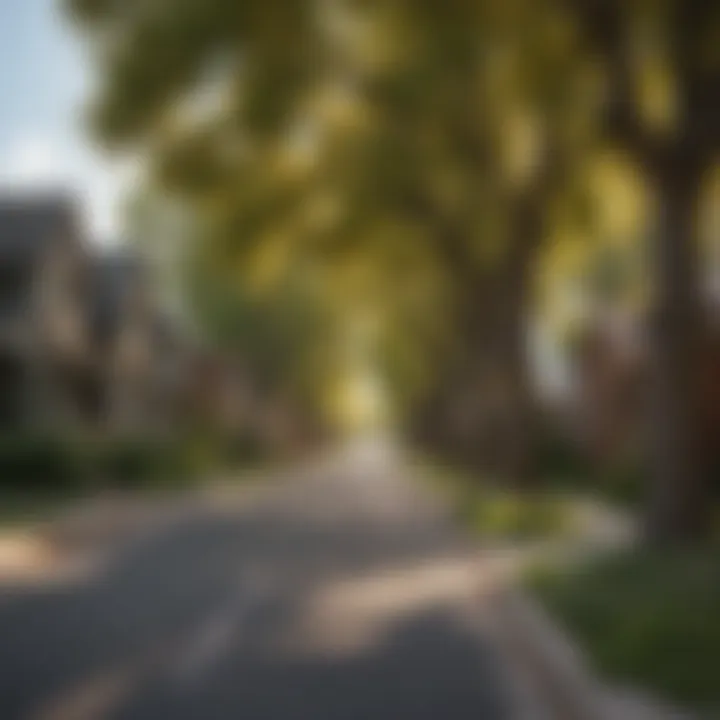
464,393
491,409
517,464
677,509
483,405
518,412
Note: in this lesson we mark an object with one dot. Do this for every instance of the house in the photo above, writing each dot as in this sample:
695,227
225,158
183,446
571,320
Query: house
84,343
122,326
45,350
171,371
145,358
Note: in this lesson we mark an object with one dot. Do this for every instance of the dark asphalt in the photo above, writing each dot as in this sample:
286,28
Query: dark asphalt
330,596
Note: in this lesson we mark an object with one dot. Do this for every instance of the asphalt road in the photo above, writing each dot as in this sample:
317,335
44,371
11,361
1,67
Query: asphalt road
336,593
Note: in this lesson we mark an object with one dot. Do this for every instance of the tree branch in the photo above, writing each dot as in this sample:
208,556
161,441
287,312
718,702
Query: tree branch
602,23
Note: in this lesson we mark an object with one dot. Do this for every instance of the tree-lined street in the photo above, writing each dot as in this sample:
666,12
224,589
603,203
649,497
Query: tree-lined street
487,230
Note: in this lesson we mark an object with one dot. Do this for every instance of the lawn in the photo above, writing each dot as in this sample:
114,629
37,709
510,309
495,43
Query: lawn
646,618
504,514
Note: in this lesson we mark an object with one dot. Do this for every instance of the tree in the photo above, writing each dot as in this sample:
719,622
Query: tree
664,79
334,119
298,128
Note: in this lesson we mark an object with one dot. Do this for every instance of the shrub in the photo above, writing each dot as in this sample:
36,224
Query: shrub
624,482
136,462
35,462
560,459
128,462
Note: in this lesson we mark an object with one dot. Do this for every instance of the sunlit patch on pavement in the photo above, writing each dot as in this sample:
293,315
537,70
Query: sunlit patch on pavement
350,616
27,559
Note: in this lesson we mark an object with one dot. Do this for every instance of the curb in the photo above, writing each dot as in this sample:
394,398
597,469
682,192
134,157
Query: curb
566,686
538,650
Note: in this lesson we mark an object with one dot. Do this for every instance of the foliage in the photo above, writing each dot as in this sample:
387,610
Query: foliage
624,482
563,465
429,150
391,179
279,332
558,457
134,463
647,618
40,464
497,513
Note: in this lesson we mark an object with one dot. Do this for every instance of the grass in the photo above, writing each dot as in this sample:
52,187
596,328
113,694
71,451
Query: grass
515,515
501,513
646,618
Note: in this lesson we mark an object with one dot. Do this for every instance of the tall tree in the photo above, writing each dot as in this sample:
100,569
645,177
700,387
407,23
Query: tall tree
306,123
663,70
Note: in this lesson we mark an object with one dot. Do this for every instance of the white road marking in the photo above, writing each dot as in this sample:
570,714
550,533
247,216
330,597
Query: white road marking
222,629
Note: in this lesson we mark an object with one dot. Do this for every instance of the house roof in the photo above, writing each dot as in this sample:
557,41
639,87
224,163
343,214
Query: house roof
29,224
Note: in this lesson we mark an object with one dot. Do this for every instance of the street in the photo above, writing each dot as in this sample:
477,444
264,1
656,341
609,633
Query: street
338,592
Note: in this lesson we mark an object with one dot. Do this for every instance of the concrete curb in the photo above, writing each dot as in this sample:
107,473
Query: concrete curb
538,650
562,678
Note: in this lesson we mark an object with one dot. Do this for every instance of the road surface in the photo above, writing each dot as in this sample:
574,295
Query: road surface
337,593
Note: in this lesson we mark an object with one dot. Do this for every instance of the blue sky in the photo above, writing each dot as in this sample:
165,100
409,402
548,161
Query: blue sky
44,82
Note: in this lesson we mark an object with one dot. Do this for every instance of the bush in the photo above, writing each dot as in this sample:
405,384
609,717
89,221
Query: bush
43,463
559,459
242,449
133,462
35,463
624,482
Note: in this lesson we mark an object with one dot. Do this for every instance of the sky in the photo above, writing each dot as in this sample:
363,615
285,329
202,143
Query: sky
44,83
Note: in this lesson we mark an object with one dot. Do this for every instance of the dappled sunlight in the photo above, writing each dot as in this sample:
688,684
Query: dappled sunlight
351,616
24,556
29,560
303,575
401,305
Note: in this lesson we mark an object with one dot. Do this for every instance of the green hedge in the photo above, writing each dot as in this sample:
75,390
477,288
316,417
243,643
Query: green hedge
39,463
141,462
